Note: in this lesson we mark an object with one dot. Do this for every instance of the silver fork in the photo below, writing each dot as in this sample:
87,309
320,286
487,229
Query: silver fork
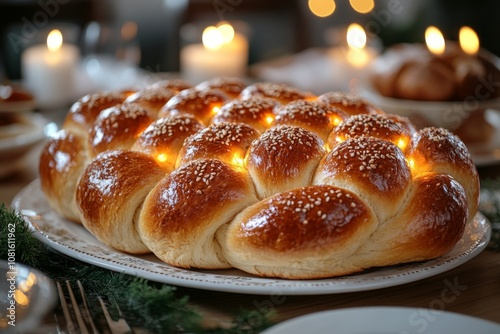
84,323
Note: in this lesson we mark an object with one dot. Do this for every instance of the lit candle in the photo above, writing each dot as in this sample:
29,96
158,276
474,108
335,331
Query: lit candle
434,40
48,71
469,41
351,64
222,53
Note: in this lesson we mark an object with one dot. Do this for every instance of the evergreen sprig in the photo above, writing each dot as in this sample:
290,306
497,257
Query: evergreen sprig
153,307
490,207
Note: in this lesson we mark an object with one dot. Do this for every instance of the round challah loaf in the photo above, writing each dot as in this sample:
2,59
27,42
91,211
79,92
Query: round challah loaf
265,178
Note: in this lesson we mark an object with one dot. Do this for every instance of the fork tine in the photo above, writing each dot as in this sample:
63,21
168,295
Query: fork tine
119,326
67,317
76,308
86,306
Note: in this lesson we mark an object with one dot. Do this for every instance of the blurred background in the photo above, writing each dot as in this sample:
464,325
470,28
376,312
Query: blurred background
151,33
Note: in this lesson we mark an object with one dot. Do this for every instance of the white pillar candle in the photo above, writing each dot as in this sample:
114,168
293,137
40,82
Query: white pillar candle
227,57
350,64
49,71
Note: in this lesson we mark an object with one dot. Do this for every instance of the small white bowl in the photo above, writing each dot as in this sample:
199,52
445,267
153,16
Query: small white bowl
35,295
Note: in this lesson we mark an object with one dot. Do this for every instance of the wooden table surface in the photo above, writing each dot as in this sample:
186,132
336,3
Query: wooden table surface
472,288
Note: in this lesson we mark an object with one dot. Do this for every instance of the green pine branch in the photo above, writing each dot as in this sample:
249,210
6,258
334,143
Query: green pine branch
147,305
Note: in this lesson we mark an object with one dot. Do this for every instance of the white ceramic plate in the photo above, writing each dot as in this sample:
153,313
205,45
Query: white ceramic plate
387,320
73,240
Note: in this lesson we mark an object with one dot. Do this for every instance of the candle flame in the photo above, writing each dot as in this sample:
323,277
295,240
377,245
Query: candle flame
54,40
434,40
356,36
469,42
322,8
215,37
227,32
362,6
237,160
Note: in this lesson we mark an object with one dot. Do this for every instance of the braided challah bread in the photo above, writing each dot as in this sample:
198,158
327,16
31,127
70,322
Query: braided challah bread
264,178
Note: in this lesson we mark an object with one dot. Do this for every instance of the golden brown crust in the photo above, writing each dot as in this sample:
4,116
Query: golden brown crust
232,87
374,169
283,158
203,104
282,93
410,71
163,139
349,103
152,98
427,81
254,185
428,225
438,150
311,115
183,212
61,163
118,127
258,112
172,84
83,113
277,236
379,126
110,193
227,142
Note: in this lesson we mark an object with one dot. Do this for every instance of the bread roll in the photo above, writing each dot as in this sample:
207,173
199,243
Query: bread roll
184,211
438,150
117,128
163,139
152,98
83,113
393,129
283,158
203,104
429,224
311,115
226,142
374,169
258,112
172,84
303,233
427,81
282,93
232,87
62,161
110,195
348,103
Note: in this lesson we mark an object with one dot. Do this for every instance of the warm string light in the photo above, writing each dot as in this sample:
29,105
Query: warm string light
162,157
215,110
